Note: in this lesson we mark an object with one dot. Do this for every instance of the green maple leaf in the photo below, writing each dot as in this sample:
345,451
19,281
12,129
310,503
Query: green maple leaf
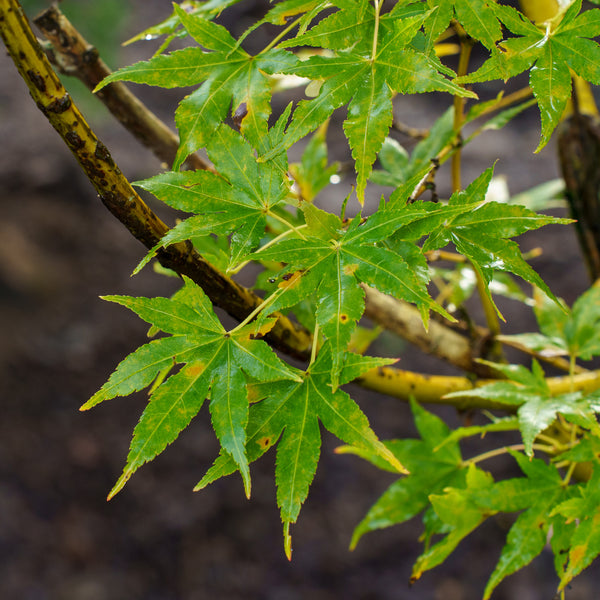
463,509
372,65
237,201
289,415
480,232
535,494
230,78
217,364
459,513
331,262
549,52
563,331
476,16
433,465
537,408
584,543
581,331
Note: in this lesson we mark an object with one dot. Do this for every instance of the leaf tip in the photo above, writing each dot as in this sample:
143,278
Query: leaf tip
247,485
390,457
287,540
99,86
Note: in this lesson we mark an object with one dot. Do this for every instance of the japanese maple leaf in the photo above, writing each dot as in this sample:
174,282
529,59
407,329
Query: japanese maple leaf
462,509
373,63
289,416
237,201
230,78
584,543
480,229
537,408
433,465
476,16
549,51
217,364
331,260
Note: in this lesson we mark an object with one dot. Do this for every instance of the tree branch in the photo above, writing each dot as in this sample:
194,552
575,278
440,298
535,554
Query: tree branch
73,55
404,320
433,388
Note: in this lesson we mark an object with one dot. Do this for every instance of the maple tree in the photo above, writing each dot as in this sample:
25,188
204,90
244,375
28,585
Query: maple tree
321,270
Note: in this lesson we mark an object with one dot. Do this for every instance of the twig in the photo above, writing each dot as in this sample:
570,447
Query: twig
466,45
73,55
404,320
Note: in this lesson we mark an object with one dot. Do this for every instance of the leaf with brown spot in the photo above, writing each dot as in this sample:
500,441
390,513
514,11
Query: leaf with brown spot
218,364
291,413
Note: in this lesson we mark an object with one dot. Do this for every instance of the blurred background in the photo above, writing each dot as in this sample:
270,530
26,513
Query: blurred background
157,540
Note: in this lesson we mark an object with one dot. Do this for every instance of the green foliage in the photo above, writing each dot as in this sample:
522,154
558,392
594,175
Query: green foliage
320,265
548,54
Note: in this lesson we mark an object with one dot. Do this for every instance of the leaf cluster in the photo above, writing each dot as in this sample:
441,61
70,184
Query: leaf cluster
257,206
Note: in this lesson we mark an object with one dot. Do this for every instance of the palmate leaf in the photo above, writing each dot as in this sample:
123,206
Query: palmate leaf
238,200
462,509
480,233
536,494
584,542
365,75
433,464
217,365
550,52
288,414
573,332
231,79
331,262
460,514
537,407
475,16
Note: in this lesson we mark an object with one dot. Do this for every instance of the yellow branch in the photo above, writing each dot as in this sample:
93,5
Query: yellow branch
433,388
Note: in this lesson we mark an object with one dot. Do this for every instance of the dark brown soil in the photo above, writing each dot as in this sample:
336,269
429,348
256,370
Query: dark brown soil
60,539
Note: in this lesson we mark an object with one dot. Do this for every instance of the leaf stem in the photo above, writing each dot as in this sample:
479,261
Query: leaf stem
377,4
313,352
558,445
522,94
569,474
466,45
257,311
286,223
270,243
455,145
572,365
280,35
491,316
504,450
